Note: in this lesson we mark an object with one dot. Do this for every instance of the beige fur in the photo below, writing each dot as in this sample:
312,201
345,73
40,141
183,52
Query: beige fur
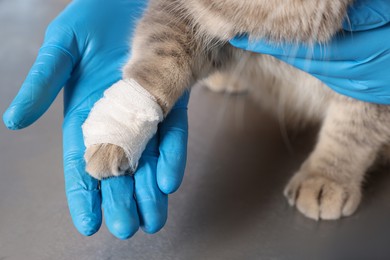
106,160
179,42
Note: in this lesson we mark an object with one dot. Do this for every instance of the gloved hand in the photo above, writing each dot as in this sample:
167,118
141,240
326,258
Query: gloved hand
355,63
84,49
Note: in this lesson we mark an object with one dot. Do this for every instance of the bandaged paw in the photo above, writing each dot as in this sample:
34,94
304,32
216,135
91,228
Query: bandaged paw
127,116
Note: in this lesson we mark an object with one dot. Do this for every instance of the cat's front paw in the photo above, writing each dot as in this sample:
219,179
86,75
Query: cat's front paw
318,197
118,129
106,160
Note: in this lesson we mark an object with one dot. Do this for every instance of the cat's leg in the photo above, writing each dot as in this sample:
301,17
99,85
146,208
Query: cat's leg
328,184
166,59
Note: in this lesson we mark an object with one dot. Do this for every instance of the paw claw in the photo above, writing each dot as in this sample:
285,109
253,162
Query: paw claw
290,195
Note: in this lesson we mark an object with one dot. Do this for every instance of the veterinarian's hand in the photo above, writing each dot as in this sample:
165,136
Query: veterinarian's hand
84,49
355,63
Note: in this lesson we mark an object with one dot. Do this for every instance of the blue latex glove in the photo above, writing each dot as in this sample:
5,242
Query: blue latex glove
355,63
84,49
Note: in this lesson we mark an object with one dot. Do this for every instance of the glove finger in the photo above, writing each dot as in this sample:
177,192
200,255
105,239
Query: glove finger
48,74
173,150
183,100
82,190
152,203
336,58
120,208
285,52
317,59
260,46
288,52
367,14
337,50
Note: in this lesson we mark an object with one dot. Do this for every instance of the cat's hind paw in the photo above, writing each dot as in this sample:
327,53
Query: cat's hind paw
223,82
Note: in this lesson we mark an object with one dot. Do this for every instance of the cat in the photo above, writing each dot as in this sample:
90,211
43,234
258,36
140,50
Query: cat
180,42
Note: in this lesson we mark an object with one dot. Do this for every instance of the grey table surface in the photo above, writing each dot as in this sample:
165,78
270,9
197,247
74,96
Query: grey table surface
230,205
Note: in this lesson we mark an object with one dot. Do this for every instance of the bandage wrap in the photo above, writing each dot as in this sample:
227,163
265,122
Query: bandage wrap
126,116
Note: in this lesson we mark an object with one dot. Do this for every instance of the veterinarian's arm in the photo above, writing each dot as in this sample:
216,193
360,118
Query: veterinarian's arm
355,63
84,50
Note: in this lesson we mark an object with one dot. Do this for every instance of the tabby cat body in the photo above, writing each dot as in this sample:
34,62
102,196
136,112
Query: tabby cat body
180,42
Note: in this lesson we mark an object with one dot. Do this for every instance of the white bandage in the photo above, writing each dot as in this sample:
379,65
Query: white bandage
126,116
